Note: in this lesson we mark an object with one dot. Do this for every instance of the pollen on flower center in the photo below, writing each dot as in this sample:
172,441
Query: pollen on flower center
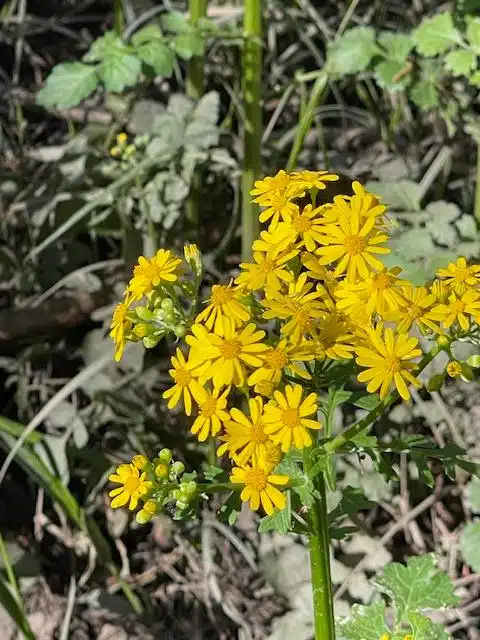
276,359
209,407
132,483
268,265
392,364
182,377
256,479
382,281
221,295
302,224
290,417
258,434
354,244
230,348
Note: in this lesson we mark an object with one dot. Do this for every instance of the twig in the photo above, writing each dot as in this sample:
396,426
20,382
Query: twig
67,618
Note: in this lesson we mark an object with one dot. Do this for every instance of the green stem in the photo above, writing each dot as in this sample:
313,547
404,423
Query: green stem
319,547
339,441
316,97
252,94
476,210
194,88
119,17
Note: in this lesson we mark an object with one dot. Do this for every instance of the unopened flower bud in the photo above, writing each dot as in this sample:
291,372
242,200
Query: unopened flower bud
178,468
144,314
180,330
181,505
167,304
149,342
165,455
147,513
140,461
443,342
194,258
161,470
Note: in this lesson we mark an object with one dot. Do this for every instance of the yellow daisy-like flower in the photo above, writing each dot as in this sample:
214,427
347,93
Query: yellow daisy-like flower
277,195
388,361
183,376
458,309
245,439
306,227
267,270
417,308
378,293
454,369
260,487
134,486
120,326
271,184
333,337
459,278
276,359
277,239
362,203
287,420
150,272
319,272
265,388
305,180
352,245
213,412
224,303
299,306
440,290
227,354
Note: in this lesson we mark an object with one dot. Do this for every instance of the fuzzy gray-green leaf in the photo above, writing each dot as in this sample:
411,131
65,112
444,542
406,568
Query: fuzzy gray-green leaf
364,622
67,85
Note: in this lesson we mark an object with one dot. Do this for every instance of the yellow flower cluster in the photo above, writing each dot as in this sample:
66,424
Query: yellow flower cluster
316,291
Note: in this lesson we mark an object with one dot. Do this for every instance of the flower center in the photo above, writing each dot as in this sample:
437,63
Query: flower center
276,359
382,281
182,377
461,274
230,349
257,434
221,295
209,408
458,307
132,484
265,388
256,479
267,265
392,364
354,244
273,454
302,224
290,417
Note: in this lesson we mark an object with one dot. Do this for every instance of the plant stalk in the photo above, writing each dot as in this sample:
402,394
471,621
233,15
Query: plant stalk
252,136
119,17
476,210
319,547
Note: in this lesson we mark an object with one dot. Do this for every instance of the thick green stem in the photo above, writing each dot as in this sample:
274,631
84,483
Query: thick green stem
319,547
252,90
194,89
316,97
119,17
476,210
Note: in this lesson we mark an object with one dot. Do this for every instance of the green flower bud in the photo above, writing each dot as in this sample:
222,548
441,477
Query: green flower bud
178,468
167,304
144,314
147,513
149,342
162,470
165,455
190,487
474,361
443,342
169,317
159,316
180,330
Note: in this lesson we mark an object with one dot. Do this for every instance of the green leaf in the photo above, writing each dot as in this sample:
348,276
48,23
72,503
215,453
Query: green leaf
424,629
416,586
473,33
386,73
67,85
364,622
153,51
474,79
436,35
175,22
353,500
279,520
424,94
187,45
404,195
461,62
364,401
470,545
352,52
397,45
119,66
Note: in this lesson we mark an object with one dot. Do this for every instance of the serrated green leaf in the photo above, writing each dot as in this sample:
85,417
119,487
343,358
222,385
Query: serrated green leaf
352,52
418,585
364,401
119,66
187,45
473,33
150,32
364,622
67,85
470,545
153,50
175,22
279,520
424,629
461,62
436,35
386,73
397,45
404,195
353,500
424,94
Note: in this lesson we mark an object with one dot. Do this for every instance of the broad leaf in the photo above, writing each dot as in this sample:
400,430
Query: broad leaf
470,545
424,94
279,520
187,45
119,66
353,500
352,52
416,586
388,75
364,623
461,62
424,629
473,33
397,45
175,22
68,84
436,35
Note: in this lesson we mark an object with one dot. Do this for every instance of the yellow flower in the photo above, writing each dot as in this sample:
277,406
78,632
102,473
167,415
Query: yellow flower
283,356
417,308
299,306
267,269
459,278
305,180
115,151
378,293
122,138
457,309
119,327
213,412
194,258
224,303
440,290
260,487
362,203
277,239
352,243
183,376
389,360
278,183
140,461
454,368
307,227
333,337
228,354
150,272
265,388
276,195
319,272
134,485
273,455
287,420
245,439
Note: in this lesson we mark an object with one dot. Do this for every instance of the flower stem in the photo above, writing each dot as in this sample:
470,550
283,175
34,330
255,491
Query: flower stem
119,17
319,547
252,90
